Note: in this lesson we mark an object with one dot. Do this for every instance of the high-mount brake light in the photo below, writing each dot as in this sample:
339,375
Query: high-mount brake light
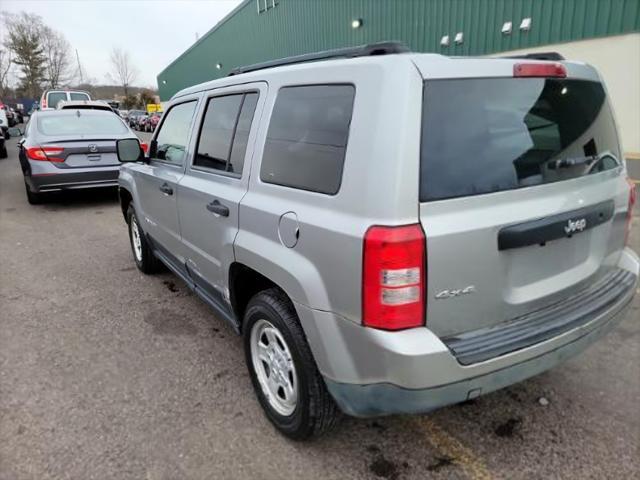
554,70
45,154
394,277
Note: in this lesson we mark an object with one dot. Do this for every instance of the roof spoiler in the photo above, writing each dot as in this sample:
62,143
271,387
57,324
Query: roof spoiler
380,48
553,56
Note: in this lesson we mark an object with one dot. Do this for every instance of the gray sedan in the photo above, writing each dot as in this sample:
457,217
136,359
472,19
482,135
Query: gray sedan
70,149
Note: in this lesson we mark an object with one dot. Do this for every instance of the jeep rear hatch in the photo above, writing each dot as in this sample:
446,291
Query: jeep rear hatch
523,194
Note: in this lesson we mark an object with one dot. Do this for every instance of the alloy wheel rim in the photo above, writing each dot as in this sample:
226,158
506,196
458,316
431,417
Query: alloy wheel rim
136,240
274,367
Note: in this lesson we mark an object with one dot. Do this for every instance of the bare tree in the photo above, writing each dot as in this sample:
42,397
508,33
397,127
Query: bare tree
124,72
57,59
5,67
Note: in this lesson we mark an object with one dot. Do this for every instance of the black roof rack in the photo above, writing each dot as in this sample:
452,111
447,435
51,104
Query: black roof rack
380,48
553,56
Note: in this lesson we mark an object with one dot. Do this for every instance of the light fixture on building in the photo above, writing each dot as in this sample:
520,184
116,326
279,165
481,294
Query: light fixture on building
357,23
459,38
444,41
218,66
506,28
525,25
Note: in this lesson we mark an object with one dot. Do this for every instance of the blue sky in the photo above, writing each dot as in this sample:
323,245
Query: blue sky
154,32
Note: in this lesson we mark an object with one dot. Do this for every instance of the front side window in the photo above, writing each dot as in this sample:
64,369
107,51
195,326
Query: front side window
307,137
225,130
171,142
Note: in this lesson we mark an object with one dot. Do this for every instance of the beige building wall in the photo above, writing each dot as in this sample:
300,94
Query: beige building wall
618,61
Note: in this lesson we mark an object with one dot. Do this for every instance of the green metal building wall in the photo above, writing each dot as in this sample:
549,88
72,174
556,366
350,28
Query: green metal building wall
294,27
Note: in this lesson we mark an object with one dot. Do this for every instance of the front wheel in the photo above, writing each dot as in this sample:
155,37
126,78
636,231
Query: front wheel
285,378
145,260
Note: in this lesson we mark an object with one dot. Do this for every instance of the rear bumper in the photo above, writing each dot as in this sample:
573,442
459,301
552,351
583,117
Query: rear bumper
66,179
371,372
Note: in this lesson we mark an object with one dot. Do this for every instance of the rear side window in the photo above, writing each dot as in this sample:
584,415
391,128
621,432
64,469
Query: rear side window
490,135
79,96
307,137
54,98
225,129
171,141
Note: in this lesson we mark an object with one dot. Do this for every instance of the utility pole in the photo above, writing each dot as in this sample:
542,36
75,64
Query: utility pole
79,67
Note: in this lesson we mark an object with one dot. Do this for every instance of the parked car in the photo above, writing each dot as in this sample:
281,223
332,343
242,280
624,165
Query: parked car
70,149
132,118
141,122
152,121
4,125
50,98
84,105
390,233
10,115
4,129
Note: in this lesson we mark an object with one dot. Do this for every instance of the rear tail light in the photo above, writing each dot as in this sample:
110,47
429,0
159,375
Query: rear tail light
393,277
144,146
539,70
45,154
44,103
632,202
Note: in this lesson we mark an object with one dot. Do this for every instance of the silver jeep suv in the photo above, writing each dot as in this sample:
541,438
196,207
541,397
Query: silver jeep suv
390,232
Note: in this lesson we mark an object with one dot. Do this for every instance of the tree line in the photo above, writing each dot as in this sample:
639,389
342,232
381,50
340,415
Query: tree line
43,59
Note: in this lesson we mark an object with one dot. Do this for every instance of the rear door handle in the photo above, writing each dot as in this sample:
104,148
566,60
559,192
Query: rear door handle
218,208
165,188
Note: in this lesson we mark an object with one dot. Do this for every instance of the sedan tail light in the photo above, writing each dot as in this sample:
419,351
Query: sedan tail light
393,277
632,202
45,154
144,146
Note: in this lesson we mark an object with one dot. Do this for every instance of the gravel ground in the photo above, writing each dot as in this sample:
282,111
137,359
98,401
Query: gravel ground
106,373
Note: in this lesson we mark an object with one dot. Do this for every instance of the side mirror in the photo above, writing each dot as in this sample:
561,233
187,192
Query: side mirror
15,132
129,150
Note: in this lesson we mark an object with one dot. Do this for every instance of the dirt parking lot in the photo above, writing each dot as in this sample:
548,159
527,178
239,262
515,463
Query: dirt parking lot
109,374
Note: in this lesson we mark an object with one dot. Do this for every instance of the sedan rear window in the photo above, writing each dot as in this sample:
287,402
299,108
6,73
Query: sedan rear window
108,124
489,135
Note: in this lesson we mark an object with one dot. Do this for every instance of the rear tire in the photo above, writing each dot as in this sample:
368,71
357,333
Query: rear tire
278,357
3,152
32,197
145,260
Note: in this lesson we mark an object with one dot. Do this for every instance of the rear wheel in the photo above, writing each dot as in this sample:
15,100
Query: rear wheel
3,151
32,197
145,260
285,378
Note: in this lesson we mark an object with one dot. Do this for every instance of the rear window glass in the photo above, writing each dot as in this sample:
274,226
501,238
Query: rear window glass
54,98
79,96
82,124
307,137
489,135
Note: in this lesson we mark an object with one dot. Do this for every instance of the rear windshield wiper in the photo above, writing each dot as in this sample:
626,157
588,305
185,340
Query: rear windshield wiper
572,162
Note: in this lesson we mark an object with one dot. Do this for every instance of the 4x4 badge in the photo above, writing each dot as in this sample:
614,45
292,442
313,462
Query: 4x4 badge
456,292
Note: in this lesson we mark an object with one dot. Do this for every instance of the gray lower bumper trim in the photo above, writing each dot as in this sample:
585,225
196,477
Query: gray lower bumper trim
541,325
385,399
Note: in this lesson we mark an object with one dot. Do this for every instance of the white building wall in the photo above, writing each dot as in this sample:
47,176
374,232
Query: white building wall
617,59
